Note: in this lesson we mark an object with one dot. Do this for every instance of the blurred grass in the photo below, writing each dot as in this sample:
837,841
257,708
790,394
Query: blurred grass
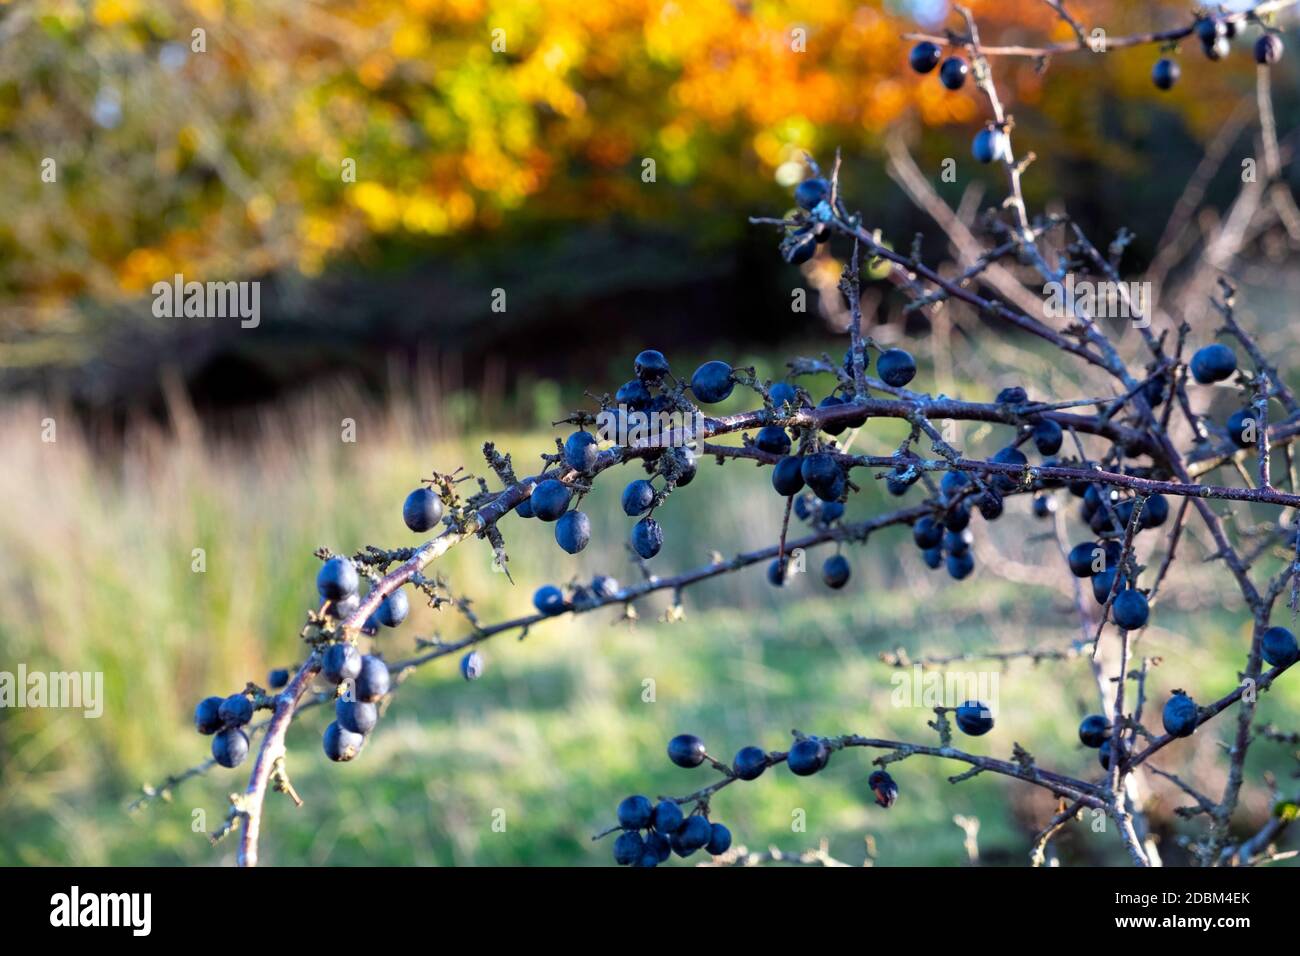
97,576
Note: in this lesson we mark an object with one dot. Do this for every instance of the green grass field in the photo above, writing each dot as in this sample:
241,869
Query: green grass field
97,575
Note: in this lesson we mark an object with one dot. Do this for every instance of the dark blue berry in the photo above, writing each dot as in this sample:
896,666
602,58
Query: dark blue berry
667,817
800,247
953,72
958,542
686,750
823,475
525,508
989,144
896,367
783,393
1130,610
1013,395
990,504
633,394
339,610
836,428
1103,582
550,499
807,756
422,510
835,572
356,716
1165,73
810,192
952,482
340,662
1105,750
573,531
830,512
787,476
658,844
394,609
712,382
883,786
803,506
924,57
776,573
719,840
927,533
933,557
694,834
957,517
1048,437
773,440
634,813
628,848
638,497
207,717
1210,29
549,600
277,678
471,666
1044,506
647,537
1082,558
974,718
230,747
1010,455
961,565
650,367
750,763
685,462
1218,49
1279,647
372,683
1179,715
901,478
1243,428
1156,511
341,745
336,579
235,711
1213,363
581,450
1268,49
1094,730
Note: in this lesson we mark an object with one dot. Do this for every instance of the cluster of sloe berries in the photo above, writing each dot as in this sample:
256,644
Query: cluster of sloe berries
222,718
1217,363
1216,36
991,142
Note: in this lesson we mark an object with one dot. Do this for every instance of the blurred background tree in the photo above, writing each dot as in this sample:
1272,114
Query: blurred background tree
383,166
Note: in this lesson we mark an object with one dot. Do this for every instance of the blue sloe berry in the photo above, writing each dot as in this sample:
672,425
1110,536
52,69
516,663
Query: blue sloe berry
207,716
356,716
835,572
650,367
1130,610
750,763
686,750
807,756
336,579
810,192
1279,647
581,450
896,367
628,848
1213,363
550,499
471,666
372,683
573,531
773,440
787,476
235,711
638,497
422,510
974,718
712,382
549,600
1094,730
1179,715
340,662
341,745
667,817
884,787
230,747
694,834
394,609
634,812
647,537
719,840
924,57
